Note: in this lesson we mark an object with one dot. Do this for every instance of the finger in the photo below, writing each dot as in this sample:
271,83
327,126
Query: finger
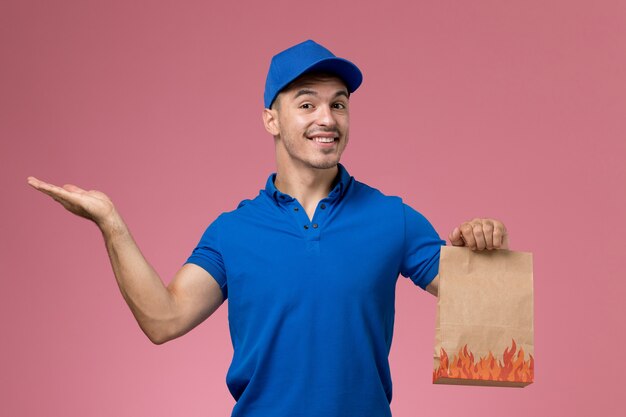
455,237
479,235
468,235
57,193
34,182
488,229
505,241
500,236
74,189
42,185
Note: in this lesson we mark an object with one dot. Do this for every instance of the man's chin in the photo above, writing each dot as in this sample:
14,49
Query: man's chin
325,164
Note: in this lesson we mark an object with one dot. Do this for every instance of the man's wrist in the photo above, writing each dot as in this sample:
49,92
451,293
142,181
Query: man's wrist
112,225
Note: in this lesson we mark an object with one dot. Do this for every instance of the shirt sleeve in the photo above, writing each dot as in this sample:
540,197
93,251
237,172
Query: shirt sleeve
422,245
208,255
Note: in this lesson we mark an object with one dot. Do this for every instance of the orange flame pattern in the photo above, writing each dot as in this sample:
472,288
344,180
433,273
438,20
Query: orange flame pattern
463,366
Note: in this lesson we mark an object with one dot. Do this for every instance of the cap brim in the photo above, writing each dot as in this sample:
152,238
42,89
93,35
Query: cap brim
343,68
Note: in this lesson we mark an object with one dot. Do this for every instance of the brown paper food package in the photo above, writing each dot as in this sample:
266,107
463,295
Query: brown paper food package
484,327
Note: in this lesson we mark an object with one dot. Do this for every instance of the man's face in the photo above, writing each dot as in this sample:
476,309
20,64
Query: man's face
312,121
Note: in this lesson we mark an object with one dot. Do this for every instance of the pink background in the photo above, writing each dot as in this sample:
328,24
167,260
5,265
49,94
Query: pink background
510,109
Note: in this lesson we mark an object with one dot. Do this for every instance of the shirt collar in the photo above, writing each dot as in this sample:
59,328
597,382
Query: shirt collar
342,180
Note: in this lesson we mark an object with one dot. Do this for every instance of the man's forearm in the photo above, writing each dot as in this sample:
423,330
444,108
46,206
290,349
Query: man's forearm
146,295
150,301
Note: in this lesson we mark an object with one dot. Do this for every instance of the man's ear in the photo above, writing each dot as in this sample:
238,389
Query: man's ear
270,120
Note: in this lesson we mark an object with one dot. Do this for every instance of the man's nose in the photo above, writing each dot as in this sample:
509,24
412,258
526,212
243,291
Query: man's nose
325,116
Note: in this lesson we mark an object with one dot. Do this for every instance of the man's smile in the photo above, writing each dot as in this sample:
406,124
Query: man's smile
323,138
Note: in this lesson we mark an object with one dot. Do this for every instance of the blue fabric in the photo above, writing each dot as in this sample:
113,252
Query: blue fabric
311,303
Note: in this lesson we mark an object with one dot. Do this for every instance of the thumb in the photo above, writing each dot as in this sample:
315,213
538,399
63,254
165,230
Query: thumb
456,239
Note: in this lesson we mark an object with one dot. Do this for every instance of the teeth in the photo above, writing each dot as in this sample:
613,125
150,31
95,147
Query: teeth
324,140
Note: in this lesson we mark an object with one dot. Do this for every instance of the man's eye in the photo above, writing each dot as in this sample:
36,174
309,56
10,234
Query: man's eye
306,106
339,106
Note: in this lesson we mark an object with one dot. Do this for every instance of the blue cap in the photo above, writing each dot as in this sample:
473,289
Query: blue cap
304,57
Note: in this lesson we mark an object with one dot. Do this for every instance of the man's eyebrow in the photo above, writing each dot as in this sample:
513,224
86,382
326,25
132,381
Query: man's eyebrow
305,91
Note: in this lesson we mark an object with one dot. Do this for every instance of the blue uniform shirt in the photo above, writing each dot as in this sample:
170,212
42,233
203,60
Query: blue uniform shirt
311,302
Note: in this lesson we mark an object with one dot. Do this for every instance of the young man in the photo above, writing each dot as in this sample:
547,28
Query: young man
309,266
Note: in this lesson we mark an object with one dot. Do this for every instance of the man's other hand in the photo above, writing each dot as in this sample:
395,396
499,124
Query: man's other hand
92,205
480,234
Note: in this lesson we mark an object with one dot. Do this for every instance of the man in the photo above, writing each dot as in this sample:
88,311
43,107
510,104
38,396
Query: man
309,266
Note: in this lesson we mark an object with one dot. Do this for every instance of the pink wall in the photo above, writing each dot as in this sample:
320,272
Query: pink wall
511,109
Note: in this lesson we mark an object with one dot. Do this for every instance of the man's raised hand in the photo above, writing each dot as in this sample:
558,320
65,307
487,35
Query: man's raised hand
92,205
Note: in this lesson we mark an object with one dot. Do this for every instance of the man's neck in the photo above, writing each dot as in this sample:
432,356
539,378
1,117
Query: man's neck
306,184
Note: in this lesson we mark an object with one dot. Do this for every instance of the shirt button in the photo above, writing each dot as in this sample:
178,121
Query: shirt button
323,206
306,226
296,209
314,225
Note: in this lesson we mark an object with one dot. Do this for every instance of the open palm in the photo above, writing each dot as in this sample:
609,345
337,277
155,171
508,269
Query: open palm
93,205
